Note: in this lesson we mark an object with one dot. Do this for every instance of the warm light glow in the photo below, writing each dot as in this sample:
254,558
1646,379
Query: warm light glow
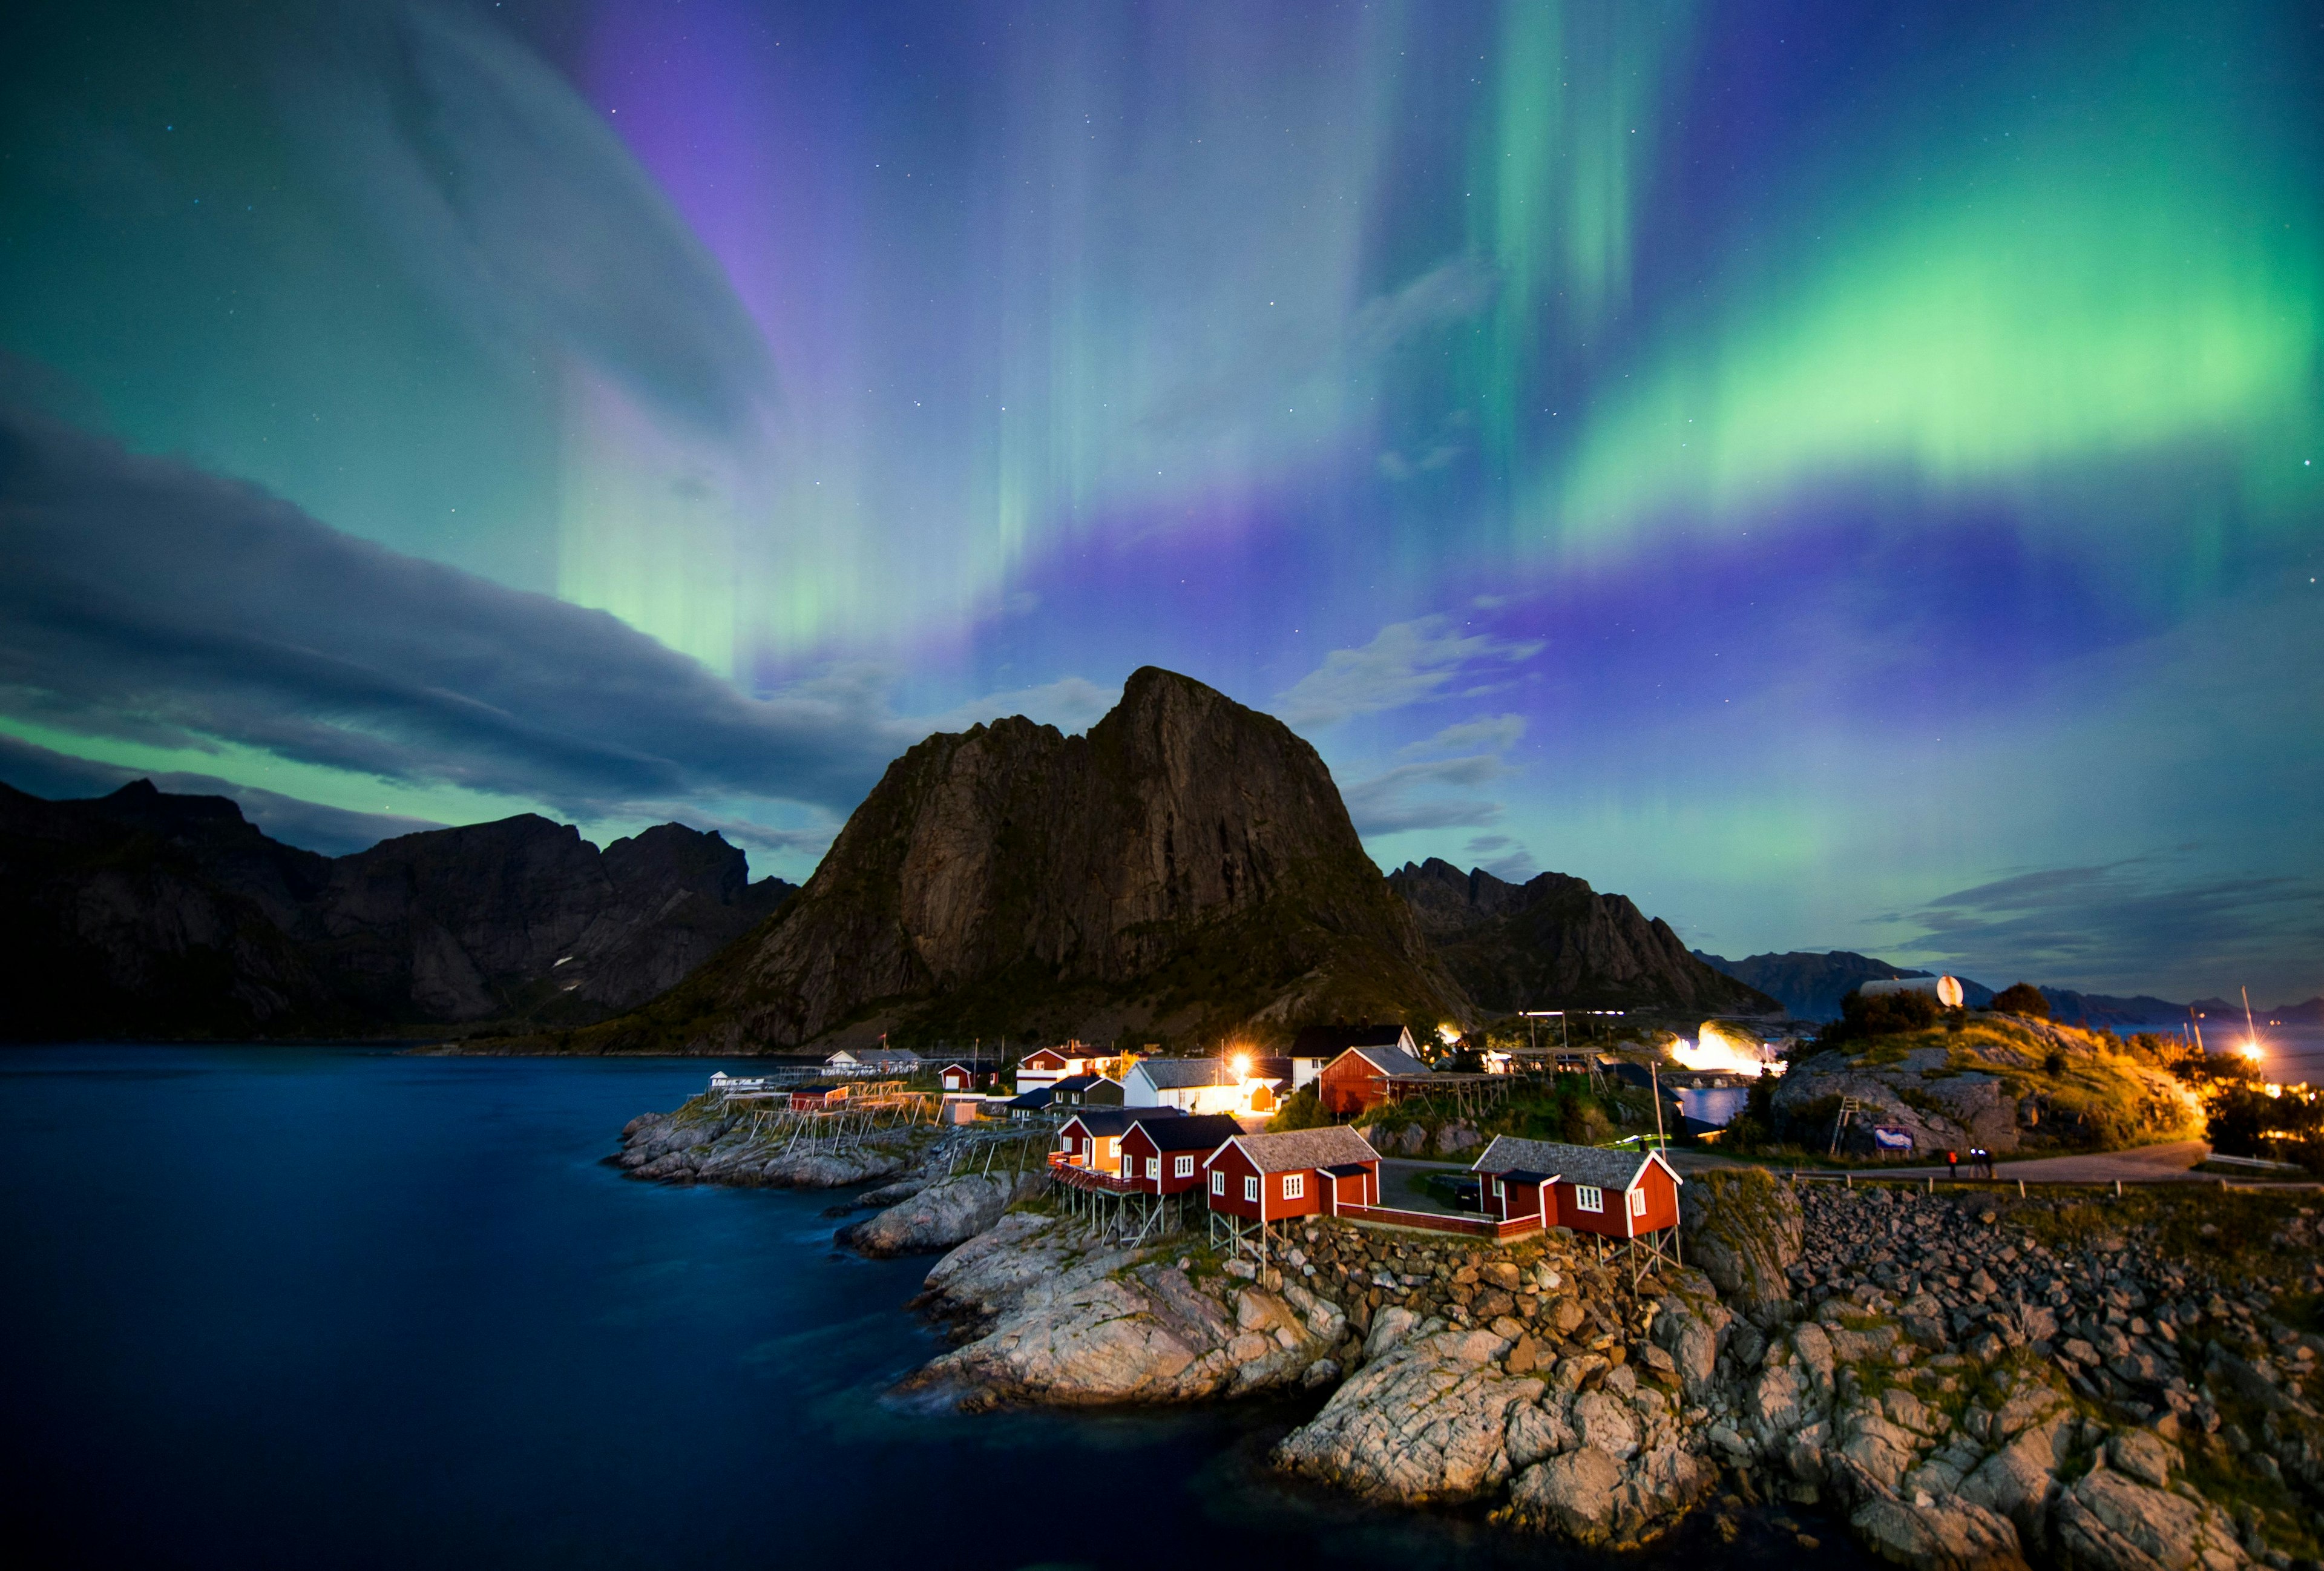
1721,1050
1448,1034
2249,1050
1242,1065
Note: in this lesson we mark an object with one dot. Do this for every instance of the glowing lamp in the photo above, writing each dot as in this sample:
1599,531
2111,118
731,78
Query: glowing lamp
1242,1065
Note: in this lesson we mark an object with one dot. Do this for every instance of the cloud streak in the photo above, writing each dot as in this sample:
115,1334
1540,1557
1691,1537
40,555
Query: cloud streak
2118,925
1405,662
143,599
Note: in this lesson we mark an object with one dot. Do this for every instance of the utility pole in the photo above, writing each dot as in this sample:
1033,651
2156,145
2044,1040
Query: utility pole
1654,1075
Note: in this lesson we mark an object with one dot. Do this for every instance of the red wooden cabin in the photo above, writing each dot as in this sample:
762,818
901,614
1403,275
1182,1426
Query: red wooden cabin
1363,1078
1164,1156
1093,1138
816,1098
1266,1178
1612,1194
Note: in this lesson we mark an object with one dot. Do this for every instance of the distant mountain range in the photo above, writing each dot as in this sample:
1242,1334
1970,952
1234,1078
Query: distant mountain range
1554,942
1809,985
1185,870
145,914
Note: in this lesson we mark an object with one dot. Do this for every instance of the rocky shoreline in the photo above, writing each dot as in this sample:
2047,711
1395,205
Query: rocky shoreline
1970,1383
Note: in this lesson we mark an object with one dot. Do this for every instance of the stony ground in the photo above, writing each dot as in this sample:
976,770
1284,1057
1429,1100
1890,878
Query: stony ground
1966,1382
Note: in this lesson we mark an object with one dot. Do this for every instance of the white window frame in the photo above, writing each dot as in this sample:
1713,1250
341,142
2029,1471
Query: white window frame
1250,1189
1638,1202
1218,1183
1154,1167
1294,1185
1588,1197
1185,1168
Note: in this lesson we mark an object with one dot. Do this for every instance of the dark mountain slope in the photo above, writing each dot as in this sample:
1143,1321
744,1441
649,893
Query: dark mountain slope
1554,943
146,914
1188,866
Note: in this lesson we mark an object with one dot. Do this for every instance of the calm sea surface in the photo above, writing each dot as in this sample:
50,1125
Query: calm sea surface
287,1306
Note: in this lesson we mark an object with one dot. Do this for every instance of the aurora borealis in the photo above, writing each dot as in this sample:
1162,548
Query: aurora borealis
1843,475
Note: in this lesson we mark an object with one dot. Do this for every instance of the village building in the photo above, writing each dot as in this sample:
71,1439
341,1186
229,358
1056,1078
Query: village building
1630,1195
1257,1180
1315,1047
1188,1085
1091,1138
1047,1066
879,1061
1029,1104
1367,1075
969,1075
1164,1156
1087,1091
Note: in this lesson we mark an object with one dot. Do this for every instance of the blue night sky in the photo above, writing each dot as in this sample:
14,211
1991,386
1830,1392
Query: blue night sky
1844,475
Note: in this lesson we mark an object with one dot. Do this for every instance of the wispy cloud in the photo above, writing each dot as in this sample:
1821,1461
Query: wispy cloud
1487,734
1405,662
142,598
2126,927
1411,796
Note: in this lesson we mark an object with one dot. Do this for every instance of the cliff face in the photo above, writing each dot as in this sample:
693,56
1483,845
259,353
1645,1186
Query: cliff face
143,914
1554,942
1186,866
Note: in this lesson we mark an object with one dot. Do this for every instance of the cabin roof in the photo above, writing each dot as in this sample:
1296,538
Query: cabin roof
1391,1060
1077,1082
1294,1150
1576,1164
1201,1132
1110,1121
819,1086
1039,1097
1347,1170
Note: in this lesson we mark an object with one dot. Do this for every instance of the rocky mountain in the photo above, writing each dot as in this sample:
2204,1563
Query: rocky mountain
1810,985
1554,942
144,913
1185,867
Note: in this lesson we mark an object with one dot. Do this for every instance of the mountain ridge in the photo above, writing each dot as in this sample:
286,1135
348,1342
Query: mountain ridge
1554,942
145,913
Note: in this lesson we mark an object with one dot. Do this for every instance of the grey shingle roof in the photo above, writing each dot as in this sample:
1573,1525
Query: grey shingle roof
1298,1149
1576,1164
1393,1060
1183,1074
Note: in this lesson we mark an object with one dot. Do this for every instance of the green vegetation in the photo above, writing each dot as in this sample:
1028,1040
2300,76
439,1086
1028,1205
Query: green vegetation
2021,998
1883,1014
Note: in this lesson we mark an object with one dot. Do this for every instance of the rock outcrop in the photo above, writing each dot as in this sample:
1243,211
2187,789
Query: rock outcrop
945,1212
145,913
1186,865
1067,1320
1554,942
1809,985
2006,1085
1964,1395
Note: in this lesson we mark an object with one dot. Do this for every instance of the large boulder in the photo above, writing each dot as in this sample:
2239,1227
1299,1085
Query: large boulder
2108,1522
1599,1502
1072,1322
1938,1536
942,1214
1743,1229
1426,1421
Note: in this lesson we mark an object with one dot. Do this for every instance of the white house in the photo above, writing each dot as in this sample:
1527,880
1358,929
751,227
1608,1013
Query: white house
1188,1085
881,1060
1047,1066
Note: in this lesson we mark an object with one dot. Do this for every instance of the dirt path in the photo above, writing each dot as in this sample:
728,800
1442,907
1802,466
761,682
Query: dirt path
2144,1165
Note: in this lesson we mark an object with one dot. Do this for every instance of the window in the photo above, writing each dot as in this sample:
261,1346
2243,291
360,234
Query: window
1638,1202
1498,1190
1153,1167
1185,1168
1588,1197
1218,1183
1250,1189
1294,1185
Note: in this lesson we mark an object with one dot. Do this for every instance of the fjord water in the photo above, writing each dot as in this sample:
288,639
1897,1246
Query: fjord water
300,1307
